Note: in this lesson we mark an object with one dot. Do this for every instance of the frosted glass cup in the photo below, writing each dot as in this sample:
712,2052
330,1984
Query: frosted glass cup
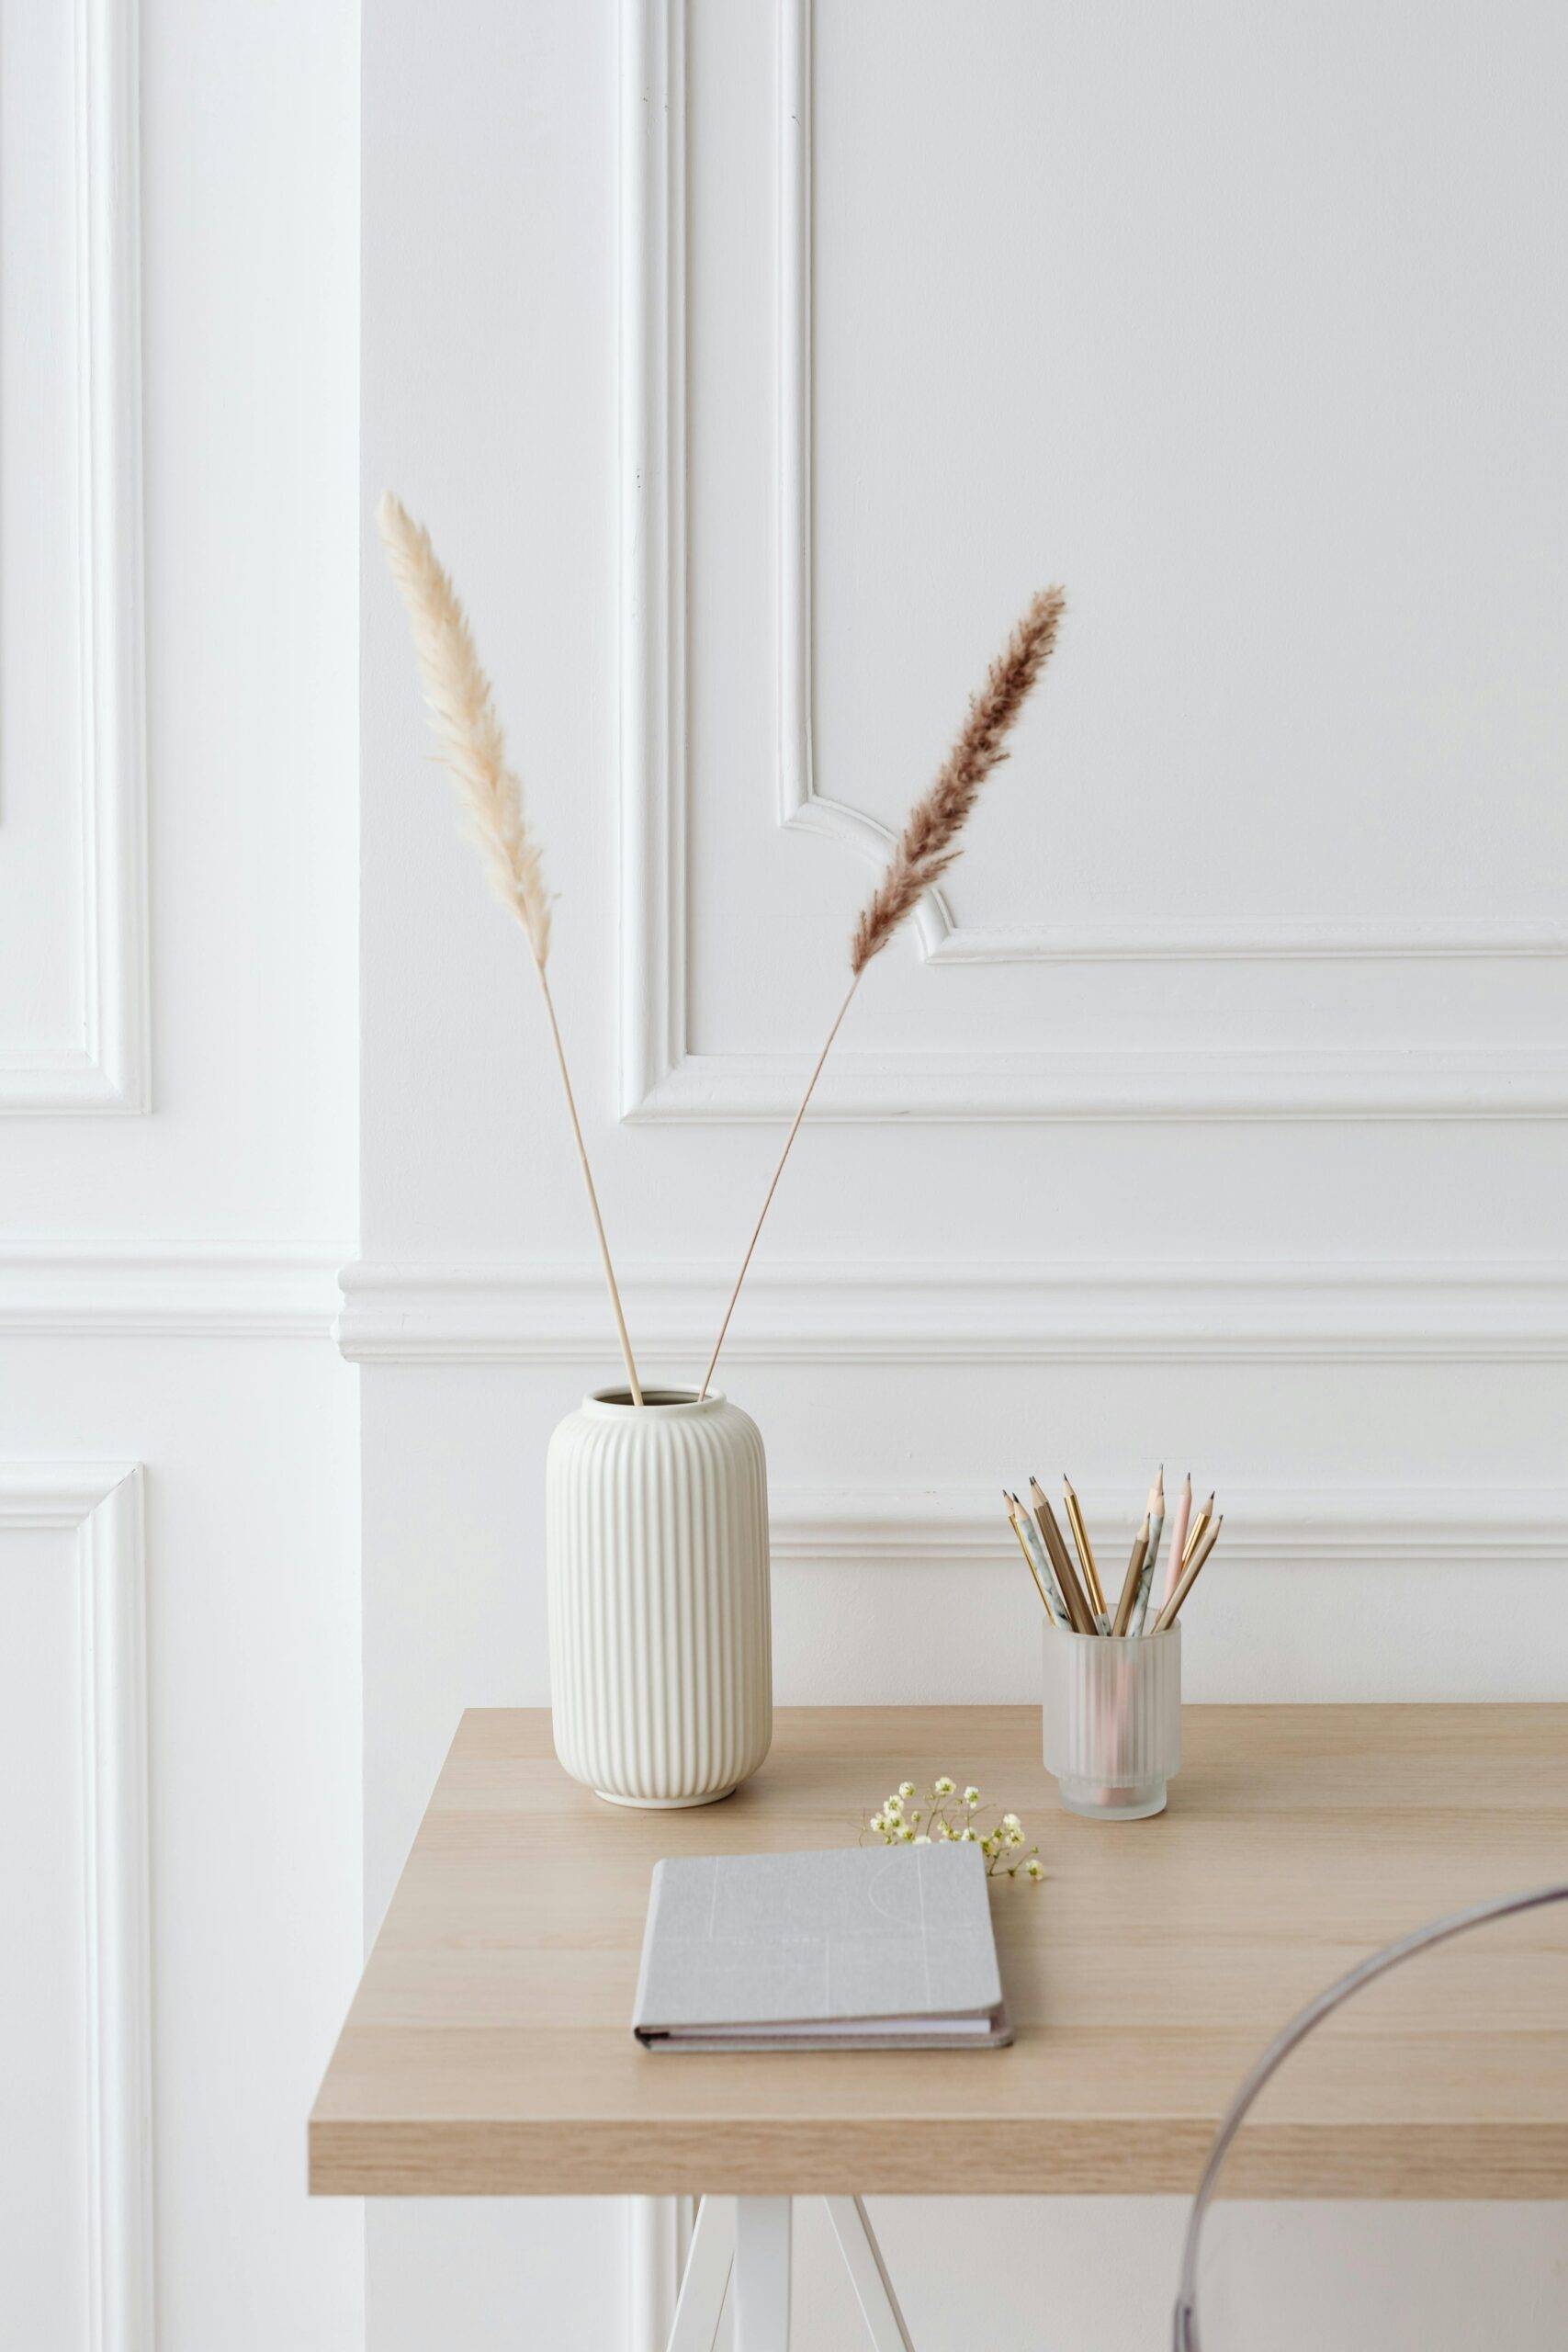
1110,1721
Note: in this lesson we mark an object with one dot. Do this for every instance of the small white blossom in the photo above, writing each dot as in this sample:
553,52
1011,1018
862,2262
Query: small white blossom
905,1788
988,1846
971,1798
894,1807
877,1821
906,1834
967,1835
923,1841
914,1814
1010,1821
942,1788
1034,1868
1015,1837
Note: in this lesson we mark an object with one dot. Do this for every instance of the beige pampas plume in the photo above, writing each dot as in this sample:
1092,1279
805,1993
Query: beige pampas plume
462,712
929,844
473,751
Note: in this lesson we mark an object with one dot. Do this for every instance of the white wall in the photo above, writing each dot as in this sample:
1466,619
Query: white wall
1220,1116
178,1496
749,380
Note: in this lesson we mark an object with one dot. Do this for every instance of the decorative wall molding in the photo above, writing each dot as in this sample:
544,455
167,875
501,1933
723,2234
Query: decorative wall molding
170,1289
108,1071
1008,1089
1105,1311
1384,1527
103,1504
661,1080
652,548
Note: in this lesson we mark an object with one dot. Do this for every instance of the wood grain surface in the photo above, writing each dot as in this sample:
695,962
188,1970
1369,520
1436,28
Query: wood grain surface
488,2052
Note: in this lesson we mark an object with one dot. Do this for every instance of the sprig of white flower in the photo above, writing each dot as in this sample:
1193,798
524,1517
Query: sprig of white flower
945,1818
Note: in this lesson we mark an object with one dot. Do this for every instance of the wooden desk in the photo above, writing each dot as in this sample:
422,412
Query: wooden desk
488,2050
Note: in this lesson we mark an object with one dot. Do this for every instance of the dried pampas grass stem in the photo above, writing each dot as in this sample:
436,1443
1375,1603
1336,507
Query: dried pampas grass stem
473,751
928,845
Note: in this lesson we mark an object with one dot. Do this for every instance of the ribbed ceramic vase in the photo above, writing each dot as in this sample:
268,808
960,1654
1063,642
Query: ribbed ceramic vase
656,1536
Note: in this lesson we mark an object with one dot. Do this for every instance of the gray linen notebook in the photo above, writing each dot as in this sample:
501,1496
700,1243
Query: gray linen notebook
862,1947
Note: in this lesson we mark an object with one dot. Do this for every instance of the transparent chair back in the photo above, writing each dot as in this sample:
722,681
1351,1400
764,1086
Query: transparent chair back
1412,2269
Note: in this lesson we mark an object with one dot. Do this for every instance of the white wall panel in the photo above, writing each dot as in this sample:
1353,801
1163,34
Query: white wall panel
75,1988
178,333
1232,783
72,879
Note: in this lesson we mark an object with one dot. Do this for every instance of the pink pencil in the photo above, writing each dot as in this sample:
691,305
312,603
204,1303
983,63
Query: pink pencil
1177,1539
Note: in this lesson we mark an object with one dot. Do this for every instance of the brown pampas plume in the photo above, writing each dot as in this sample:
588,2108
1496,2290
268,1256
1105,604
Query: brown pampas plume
930,842
929,845
473,751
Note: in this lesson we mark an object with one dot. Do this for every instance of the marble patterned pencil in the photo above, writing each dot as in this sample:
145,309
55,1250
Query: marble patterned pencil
1145,1581
1039,1566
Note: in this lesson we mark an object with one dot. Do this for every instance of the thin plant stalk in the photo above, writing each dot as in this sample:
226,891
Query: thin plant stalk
926,847
772,1188
604,1260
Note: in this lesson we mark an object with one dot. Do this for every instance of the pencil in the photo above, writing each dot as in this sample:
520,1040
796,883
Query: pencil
1061,1560
1091,1573
1055,1609
1178,1537
1145,1582
1133,1579
1200,1529
1189,1577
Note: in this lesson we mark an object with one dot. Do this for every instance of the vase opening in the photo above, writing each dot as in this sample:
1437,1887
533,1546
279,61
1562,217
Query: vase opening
653,1400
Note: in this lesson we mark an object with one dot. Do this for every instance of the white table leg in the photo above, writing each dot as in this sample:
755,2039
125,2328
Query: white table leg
705,2276
868,2274
761,2273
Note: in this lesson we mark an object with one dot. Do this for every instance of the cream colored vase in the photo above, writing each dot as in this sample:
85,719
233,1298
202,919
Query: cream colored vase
656,1535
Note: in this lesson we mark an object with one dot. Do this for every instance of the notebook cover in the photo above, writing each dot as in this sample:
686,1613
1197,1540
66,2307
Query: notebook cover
884,1936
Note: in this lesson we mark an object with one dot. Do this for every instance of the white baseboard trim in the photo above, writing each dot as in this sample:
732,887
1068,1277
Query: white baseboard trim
1088,1311
170,1289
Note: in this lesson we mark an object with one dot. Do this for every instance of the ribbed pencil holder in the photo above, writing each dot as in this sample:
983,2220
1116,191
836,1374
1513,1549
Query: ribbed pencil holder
656,1545
1110,1721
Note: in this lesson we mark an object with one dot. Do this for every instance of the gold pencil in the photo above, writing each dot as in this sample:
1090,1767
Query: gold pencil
1133,1579
1061,1560
1080,1537
1200,1529
1189,1577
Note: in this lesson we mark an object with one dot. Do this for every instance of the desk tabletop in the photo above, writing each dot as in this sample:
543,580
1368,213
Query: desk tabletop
487,2051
